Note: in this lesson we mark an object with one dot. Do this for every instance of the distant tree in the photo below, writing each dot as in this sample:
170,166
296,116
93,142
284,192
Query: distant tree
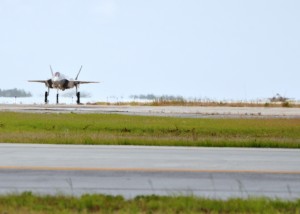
144,97
14,93
72,94
166,98
163,98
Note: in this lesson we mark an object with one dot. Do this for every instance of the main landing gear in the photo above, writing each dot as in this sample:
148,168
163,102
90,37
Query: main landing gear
57,97
78,97
46,97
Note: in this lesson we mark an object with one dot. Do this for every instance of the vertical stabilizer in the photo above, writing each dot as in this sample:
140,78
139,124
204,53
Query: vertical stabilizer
78,73
51,71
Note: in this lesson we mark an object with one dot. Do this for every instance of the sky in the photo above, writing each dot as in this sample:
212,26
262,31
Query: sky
232,50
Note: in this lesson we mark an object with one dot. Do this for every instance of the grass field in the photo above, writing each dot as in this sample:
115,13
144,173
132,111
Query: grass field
145,130
29,203
114,129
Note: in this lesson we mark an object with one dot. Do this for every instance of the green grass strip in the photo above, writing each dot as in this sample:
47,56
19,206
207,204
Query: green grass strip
113,129
30,203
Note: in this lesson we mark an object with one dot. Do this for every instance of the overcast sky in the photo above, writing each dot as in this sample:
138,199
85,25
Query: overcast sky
218,49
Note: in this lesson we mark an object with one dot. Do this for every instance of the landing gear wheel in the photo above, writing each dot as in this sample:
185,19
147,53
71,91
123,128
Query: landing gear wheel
78,97
46,97
57,98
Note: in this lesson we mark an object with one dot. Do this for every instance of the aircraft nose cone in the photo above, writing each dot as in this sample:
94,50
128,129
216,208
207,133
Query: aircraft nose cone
55,78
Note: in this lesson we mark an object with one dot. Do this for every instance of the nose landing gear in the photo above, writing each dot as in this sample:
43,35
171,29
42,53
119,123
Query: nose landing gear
57,98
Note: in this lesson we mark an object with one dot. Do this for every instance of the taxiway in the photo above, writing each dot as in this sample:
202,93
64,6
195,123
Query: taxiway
135,170
171,111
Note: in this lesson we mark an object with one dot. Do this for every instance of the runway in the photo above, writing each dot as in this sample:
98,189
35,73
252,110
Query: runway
134,170
171,111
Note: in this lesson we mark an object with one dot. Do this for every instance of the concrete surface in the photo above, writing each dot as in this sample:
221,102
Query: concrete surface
176,111
134,170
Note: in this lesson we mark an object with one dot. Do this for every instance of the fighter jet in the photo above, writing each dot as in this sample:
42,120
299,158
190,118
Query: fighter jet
61,82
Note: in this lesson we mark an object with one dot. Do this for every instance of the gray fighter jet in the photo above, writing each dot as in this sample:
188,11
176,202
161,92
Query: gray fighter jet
61,82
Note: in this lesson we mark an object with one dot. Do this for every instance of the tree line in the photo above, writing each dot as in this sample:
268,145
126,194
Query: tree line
158,98
14,93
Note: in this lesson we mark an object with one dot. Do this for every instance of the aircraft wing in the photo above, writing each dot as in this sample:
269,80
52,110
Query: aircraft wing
76,82
41,81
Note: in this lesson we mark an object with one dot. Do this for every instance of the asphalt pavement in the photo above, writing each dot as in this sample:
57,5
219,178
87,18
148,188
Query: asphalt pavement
138,170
